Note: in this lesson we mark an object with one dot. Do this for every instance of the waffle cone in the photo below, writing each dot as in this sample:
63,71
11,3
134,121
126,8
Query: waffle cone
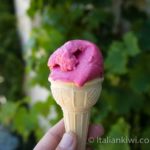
76,103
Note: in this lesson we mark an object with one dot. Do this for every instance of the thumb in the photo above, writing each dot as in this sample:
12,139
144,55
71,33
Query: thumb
68,142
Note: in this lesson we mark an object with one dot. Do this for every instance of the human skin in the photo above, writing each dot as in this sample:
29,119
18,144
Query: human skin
57,139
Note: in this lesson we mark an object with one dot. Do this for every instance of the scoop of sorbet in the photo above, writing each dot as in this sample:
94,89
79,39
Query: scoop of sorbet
77,61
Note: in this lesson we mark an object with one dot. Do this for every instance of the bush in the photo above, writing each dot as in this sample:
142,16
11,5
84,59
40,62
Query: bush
11,62
122,33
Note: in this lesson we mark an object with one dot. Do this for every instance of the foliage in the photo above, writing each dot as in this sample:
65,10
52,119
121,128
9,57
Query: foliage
23,119
11,77
120,129
121,30
125,47
10,54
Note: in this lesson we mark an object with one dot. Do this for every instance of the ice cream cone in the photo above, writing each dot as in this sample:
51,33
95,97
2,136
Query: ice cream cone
76,103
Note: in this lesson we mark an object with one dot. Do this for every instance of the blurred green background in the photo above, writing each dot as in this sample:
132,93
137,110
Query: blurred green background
120,28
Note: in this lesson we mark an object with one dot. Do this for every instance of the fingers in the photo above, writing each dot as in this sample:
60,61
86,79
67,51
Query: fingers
51,138
95,131
68,142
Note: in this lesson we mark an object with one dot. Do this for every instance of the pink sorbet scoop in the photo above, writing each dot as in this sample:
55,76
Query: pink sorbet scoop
77,61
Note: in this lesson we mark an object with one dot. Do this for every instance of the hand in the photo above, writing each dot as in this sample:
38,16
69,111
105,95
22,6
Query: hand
57,139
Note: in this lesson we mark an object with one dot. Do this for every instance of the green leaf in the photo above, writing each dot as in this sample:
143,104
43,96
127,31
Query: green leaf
21,122
89,36
25,122
140,75
131,44
122,101
116,60
41,108
140,81
42,69
117,131
7,112
101,110
146,137
143,34
119,53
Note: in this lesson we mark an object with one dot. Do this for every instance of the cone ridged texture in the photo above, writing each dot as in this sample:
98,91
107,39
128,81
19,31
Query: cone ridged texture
76,103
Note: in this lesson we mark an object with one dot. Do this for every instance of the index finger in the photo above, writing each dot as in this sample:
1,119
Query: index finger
51,139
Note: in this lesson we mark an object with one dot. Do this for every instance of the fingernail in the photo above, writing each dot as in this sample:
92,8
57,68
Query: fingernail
67,140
